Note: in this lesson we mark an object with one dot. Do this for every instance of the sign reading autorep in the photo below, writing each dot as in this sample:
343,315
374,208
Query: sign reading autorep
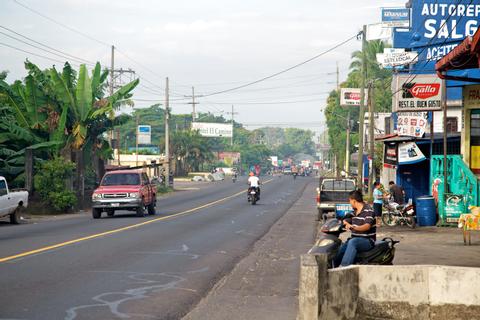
421,92
396,17
144,134
454,20
213,129
351,97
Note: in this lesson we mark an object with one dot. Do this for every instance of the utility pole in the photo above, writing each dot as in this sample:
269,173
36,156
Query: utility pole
137,120
112,68
338,79
347,149
167,134
362,109
232,114
193,103
371,135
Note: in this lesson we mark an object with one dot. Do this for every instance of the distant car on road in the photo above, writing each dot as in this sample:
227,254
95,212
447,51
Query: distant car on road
11,202
287,170
124,190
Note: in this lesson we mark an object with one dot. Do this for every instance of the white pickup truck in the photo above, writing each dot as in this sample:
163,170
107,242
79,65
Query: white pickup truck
11,202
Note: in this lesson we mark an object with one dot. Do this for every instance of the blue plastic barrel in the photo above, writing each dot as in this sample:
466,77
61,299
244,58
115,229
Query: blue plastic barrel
426,211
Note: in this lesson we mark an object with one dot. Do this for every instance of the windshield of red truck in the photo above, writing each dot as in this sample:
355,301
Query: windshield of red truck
128,179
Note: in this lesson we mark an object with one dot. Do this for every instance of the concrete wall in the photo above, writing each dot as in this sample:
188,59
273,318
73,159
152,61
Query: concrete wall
397,292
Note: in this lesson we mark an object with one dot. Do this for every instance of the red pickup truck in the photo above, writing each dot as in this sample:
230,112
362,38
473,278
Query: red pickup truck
124,190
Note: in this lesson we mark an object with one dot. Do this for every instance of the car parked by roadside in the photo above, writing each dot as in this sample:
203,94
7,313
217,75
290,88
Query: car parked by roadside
124,190
332,196
11,202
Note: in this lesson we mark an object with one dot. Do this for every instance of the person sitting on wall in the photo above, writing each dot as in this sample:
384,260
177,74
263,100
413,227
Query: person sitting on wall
363,229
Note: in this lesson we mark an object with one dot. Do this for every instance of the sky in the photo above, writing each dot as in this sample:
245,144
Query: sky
212,45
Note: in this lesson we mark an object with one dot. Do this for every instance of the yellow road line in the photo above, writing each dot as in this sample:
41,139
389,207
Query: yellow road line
137,225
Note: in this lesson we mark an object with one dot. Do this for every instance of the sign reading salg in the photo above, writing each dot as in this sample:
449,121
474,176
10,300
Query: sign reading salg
421,92
440,25
213,130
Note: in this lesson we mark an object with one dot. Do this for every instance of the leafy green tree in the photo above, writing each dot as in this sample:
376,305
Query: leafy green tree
51,181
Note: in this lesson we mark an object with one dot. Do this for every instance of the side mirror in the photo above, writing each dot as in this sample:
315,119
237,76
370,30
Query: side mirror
96,184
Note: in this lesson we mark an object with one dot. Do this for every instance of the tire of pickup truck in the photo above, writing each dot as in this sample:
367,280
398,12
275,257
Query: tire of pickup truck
15,216
96,213
151,208
140,211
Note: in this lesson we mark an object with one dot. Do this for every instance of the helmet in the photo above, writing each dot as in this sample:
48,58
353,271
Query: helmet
251,174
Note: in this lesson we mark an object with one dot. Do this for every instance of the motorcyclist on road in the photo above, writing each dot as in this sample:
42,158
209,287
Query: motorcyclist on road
254,182
362,227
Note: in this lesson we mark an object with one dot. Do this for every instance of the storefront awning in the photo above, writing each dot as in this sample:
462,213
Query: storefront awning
465,56
436,137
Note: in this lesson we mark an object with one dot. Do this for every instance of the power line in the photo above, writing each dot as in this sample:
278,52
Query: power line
46,46
285,70
261,103
45,50
60,24
33,54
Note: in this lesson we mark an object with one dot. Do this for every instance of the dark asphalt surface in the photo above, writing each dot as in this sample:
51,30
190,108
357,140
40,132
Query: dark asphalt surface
156,271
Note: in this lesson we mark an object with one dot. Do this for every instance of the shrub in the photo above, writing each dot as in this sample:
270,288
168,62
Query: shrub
50,182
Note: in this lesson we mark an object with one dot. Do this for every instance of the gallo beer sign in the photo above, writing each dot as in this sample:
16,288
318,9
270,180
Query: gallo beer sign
419,92
351,97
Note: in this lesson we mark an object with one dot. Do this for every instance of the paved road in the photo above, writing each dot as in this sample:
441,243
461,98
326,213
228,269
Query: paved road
117,269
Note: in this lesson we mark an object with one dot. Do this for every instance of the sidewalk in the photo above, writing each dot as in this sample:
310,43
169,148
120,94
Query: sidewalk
264,285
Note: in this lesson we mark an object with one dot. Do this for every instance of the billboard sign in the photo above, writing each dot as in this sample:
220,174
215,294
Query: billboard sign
351,97
409,152
229,158
412,124
144,134
213,130
396,17
274,160
391,58
454,22
421,92
390,156
471,96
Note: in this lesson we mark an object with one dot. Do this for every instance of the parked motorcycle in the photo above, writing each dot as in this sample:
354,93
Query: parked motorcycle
252,195
397,214
329,243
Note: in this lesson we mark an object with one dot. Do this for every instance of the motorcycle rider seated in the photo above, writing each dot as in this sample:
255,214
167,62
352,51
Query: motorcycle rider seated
254,182
363,228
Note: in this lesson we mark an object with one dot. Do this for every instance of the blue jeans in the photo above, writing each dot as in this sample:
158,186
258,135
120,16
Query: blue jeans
348,251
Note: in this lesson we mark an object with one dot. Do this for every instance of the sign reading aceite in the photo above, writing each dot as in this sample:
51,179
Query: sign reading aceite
440,25
421,92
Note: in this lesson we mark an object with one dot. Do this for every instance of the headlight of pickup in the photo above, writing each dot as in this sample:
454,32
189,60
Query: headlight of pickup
96,196
134,195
